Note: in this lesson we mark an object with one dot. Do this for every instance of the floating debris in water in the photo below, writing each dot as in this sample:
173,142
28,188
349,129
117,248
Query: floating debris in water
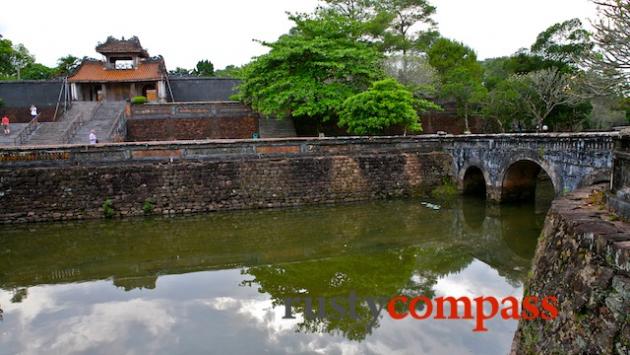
430,206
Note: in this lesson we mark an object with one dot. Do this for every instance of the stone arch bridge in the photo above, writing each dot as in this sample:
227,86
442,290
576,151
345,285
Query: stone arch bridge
506,167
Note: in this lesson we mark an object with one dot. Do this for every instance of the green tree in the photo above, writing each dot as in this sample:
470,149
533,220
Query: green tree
204,68
230,71
547,90
504,104
37,71
310,72
21,58
180,71
387,103
406,15
13,58
566,42
67,64
460,75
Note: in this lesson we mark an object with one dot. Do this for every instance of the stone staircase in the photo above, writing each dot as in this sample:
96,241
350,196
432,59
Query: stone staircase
9,140
102,122
51,133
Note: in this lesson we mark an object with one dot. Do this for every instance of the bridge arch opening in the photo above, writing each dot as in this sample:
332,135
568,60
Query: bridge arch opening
474,182
526,180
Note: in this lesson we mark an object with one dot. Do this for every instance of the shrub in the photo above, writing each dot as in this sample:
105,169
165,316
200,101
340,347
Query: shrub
386,103
148,206
1,103
446,191
108,209
139,100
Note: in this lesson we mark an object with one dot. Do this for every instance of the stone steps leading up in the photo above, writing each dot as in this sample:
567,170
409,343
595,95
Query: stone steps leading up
49,133
102,122
9,140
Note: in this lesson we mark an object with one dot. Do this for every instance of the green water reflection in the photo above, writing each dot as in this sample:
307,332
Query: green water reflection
372,249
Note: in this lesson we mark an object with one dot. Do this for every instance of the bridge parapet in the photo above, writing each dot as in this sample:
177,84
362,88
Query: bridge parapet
571,160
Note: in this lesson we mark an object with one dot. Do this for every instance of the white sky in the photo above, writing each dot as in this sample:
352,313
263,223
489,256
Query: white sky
185,31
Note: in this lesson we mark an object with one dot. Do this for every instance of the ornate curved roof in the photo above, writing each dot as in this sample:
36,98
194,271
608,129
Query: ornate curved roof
122,46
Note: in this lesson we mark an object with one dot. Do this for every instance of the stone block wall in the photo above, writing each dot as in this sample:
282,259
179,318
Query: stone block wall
69,183
189,121
582,258
619,198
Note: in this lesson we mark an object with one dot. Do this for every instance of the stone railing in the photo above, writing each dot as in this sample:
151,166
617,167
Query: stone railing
72,129
26,132
238,148
190,110
118,132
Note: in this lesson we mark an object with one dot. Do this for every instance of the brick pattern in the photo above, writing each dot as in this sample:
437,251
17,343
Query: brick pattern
34,194
216,120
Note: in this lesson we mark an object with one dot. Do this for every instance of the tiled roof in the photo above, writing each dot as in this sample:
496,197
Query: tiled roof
95,71
122,46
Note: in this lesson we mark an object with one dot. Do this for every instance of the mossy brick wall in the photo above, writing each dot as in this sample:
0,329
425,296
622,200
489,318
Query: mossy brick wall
73,183
189,121
583,258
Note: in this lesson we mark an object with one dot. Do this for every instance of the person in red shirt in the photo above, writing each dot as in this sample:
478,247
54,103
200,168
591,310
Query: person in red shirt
5,125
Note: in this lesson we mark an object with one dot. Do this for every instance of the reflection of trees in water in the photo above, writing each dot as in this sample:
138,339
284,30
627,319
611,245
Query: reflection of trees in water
19,295
412,271
374,249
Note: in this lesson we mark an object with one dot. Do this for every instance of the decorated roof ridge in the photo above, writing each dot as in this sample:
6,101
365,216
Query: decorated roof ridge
122,46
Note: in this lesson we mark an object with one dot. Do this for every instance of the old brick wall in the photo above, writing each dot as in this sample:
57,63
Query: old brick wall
73,183
583,259
186,121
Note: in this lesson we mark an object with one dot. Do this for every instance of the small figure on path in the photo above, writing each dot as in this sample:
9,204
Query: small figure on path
33,112
5,125
92,137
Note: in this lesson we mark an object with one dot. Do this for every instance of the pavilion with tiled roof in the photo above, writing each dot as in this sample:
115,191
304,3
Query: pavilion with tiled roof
126,71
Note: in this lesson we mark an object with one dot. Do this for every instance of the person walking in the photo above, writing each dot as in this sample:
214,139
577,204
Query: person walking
5,125
92,137
33,112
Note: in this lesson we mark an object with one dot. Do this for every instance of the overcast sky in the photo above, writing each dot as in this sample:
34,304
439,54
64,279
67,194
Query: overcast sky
185,31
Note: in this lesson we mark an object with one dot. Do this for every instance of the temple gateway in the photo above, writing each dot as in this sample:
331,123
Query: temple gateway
125,71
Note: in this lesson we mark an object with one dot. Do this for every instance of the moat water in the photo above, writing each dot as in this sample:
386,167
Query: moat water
216,283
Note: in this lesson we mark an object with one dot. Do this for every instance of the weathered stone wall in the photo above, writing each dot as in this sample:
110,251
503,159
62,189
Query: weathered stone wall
67,183
202,89
188,121
570,160
619,198
582,258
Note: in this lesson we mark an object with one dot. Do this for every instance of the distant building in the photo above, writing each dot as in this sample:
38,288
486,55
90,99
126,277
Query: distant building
126,71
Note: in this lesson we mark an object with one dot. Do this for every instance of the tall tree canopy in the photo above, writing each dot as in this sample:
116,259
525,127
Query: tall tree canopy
67,64
460,75
204,68
311,71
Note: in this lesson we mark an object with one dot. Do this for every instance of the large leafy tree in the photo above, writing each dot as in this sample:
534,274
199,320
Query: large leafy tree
37,71
13,58
609,63
310,72
546,90
67,64
387,103
204,68
565,42
460,75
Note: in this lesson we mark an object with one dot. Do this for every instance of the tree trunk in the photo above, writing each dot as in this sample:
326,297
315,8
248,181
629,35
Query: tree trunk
466,118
